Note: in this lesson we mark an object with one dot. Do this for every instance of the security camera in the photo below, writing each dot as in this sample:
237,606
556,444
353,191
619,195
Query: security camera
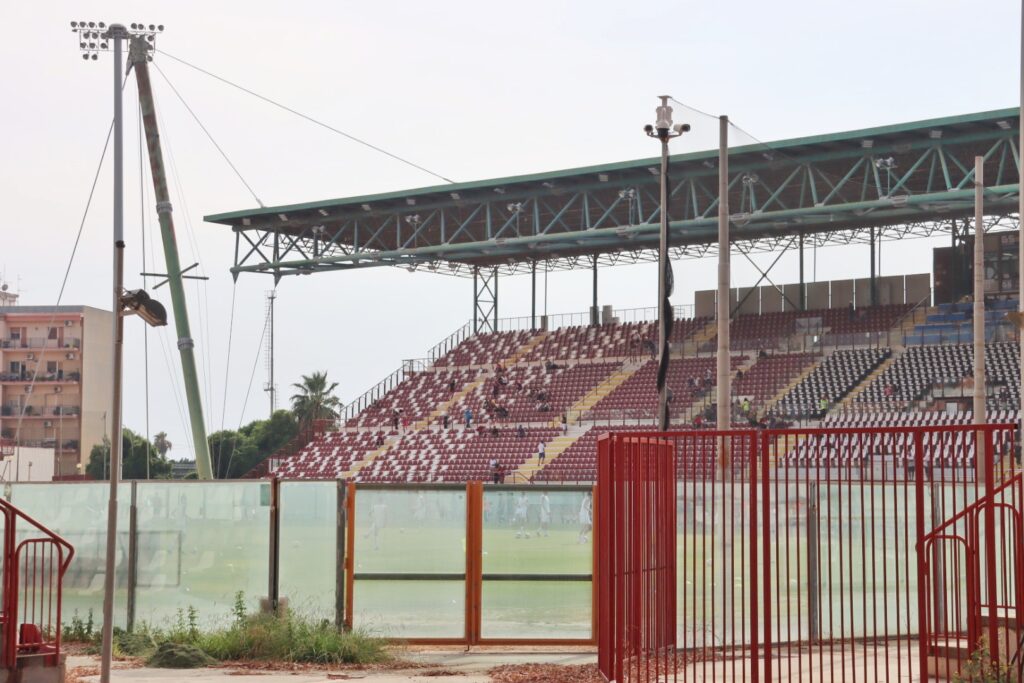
648,128
681,128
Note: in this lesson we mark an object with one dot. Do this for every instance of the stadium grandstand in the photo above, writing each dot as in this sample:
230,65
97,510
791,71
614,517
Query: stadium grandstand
524,400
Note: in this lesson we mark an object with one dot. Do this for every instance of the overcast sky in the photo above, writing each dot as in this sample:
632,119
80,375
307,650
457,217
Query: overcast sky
469,89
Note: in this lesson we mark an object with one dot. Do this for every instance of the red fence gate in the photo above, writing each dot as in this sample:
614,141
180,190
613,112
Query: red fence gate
870,554
636,526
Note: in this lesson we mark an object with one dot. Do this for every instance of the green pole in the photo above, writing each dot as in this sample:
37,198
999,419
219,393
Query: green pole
137,55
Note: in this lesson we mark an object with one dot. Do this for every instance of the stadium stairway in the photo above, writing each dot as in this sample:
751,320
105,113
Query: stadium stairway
700,337
552,450
908,323
525,349
441,408
357,465
774,400
848,400
591,399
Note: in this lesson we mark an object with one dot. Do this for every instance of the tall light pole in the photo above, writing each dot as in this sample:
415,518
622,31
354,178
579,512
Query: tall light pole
93,38
664,131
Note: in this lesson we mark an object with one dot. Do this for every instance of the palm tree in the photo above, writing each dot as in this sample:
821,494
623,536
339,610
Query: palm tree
162,444
315,400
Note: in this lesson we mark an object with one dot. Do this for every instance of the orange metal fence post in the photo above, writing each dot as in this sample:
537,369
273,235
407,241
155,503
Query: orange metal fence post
350,554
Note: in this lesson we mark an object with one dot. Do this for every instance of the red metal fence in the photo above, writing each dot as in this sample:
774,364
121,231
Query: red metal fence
34,563
841,555
636,523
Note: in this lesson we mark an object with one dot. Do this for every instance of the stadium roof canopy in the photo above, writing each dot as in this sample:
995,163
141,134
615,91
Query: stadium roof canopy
888,182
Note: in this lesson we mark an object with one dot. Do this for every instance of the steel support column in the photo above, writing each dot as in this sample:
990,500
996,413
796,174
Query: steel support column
485,300
533,295
595,315
802,293
873,293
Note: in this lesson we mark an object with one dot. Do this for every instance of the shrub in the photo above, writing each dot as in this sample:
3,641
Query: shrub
170,655
291,638
981,669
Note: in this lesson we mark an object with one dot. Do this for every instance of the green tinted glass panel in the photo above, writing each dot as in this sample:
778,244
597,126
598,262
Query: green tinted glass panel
411,609
78,513
531,532
199,545
410,531
309,517
536,609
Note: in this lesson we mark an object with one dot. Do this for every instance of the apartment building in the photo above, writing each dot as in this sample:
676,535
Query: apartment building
55,379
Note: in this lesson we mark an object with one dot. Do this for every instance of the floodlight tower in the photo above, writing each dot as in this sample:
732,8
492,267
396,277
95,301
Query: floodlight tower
664,131
94,37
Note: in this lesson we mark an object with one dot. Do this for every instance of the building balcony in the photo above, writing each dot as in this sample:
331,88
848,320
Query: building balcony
40,413
67,447
69,343
41,378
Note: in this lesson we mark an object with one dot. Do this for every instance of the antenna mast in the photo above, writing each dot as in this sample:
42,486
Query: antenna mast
269,386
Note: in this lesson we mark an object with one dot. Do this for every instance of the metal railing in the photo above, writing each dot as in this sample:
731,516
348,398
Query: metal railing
34,563
409,368
805,552
440,349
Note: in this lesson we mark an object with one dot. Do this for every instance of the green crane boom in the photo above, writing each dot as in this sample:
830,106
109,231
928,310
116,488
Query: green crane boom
138,58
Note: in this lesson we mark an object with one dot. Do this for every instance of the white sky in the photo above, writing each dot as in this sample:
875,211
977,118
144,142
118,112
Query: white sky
464,88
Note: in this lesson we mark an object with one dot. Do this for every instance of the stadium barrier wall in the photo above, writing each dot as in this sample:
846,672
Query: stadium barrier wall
465,563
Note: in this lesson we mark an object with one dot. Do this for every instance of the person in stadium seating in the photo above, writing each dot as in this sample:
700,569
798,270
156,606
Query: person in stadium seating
495,432
707,377
380,439
586,518
544,407
446,420
545,514
541,454
762,354
520,432
519,519
651,347
395,417
745,406
565,423
467,417
499,473
634,346
451,386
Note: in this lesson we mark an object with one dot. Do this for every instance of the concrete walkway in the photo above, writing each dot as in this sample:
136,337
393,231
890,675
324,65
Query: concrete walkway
465,666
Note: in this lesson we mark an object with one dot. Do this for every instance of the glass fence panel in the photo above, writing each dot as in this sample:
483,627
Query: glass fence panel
308,560
199,545
536,609
78,513
410,608
531,532
529,538
419,533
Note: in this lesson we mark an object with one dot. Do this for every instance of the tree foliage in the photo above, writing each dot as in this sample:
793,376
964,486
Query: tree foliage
235,453
315,399
134,452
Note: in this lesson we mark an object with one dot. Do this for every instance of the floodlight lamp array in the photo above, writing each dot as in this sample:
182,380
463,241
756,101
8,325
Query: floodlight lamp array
97,36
